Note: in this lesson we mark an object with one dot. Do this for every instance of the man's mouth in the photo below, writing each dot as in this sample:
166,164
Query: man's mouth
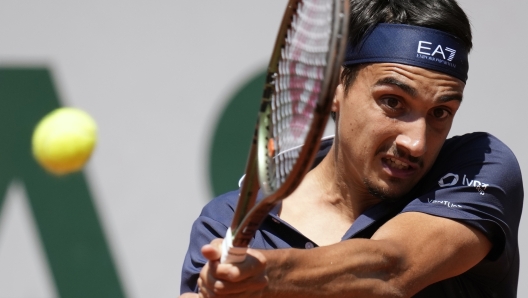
398,168
398,164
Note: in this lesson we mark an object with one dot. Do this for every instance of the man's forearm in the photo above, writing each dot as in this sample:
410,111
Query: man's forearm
359,267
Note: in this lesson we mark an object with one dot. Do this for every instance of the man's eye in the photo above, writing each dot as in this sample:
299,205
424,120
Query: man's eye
441,113
392,103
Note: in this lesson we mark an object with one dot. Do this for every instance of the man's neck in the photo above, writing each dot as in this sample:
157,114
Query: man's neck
339,189
324,199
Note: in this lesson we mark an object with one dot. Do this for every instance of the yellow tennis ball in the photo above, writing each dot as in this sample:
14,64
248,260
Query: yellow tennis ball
64,140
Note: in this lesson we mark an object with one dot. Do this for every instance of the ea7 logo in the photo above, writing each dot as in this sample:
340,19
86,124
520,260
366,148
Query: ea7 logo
426,48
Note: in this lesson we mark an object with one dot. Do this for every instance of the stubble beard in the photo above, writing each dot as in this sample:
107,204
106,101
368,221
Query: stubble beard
381,193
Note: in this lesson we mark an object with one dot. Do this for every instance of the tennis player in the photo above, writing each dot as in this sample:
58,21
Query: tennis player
391,208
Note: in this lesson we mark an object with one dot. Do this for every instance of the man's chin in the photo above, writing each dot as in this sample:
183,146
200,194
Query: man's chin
385,193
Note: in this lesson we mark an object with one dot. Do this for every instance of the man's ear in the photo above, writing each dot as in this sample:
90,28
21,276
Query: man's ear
338,98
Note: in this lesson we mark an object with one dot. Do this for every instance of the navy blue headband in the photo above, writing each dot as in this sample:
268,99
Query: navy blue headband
411,45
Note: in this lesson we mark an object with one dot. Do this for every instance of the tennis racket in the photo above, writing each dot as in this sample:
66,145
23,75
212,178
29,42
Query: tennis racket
302,77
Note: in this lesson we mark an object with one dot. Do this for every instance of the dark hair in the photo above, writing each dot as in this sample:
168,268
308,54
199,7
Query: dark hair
443,15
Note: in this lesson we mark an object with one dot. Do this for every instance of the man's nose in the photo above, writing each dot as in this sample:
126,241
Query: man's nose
412,137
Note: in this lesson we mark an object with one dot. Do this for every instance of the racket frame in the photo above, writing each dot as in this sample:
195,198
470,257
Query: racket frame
248,217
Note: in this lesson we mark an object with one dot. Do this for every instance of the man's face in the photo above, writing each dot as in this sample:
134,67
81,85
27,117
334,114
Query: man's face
391,125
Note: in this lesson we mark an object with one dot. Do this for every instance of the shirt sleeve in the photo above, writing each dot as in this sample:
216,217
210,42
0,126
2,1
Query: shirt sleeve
211,224
479,183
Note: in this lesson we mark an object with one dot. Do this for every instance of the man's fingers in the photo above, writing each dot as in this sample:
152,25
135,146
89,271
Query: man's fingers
253,266
251,285
213,251
245,288
209,274
206,293
244,279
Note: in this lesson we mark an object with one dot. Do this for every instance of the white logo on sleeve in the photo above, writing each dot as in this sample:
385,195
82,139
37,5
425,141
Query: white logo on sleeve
446,203
448,180
437,53
480,186
453,179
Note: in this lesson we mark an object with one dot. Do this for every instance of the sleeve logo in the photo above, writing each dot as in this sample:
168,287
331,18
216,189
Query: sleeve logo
452,180
448,180
446,203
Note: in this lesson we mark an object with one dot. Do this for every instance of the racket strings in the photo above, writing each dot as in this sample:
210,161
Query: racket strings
298,85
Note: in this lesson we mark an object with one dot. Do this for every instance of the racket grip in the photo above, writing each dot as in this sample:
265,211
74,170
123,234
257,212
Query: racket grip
232,254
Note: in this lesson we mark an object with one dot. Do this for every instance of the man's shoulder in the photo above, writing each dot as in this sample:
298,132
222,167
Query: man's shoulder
221,207
475,159
475,141
475,138
476,149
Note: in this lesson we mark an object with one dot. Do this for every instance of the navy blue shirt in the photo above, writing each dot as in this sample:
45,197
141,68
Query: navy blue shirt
476,180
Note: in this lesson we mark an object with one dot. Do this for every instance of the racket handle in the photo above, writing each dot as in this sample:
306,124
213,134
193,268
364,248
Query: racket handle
232,254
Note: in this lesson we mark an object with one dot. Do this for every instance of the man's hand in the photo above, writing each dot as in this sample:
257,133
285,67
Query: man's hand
246,279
